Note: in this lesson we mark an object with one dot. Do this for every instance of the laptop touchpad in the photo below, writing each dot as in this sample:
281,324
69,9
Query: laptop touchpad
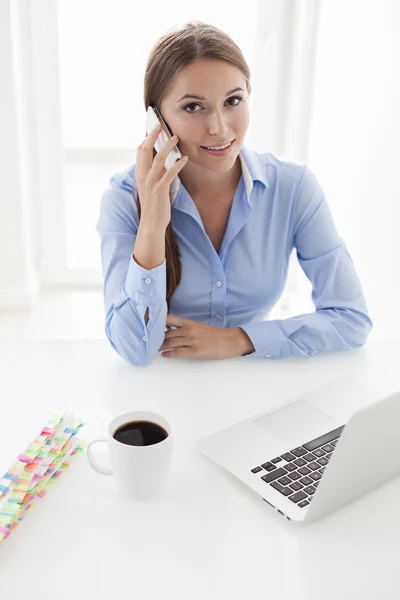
297,423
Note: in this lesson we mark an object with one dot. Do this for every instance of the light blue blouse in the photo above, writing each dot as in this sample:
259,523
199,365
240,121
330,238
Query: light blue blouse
278,206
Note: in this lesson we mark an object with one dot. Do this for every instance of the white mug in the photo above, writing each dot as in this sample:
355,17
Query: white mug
140,471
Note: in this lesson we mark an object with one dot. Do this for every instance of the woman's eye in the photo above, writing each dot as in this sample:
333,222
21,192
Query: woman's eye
190,107
239,98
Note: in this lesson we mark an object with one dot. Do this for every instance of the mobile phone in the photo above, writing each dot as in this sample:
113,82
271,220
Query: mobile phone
154,118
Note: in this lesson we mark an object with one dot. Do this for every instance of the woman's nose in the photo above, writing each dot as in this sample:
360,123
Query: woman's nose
217,124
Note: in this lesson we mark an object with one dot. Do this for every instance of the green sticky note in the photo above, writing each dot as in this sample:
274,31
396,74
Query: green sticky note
10,509
5,519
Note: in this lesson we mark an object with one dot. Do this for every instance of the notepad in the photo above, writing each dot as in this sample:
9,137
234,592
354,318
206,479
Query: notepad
37,468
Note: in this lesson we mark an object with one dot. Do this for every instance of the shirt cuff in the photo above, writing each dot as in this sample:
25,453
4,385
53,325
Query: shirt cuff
268,340
147,287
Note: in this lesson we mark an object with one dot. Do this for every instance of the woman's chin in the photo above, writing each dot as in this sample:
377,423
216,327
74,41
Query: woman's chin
218,165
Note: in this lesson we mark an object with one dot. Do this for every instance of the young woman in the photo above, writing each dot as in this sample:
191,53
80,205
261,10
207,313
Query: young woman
194,257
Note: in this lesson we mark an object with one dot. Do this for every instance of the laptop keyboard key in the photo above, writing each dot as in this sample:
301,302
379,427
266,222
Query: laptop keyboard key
306,481
319,452
274,475
284,480
297,497
309,457
304,470
282,489
334,442
313,465
294,475
298,451
310,489
322,461
276,460
300,462
268,466
290,467
288,456
328,448
296,486
314,476
256,470
324,439
303,503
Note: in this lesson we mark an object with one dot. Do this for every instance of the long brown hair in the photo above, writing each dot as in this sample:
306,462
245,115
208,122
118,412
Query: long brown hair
175,50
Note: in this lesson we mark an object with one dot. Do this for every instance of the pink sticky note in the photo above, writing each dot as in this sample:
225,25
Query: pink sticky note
47,431
23,458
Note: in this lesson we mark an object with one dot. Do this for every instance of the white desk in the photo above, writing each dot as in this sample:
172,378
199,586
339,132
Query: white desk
209,536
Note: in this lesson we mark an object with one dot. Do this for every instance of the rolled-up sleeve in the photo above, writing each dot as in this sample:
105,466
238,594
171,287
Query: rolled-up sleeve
341,320
129,289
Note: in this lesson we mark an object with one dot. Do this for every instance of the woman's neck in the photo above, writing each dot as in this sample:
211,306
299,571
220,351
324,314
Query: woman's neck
202,184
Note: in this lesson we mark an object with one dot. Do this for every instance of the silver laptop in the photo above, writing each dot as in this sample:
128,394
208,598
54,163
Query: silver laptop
304,460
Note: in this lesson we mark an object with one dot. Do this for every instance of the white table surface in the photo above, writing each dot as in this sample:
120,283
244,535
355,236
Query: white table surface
208,536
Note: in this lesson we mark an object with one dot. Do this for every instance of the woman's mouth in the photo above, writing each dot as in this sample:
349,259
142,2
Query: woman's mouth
219,150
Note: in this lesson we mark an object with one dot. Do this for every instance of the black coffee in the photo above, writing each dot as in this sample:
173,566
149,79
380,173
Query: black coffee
140,433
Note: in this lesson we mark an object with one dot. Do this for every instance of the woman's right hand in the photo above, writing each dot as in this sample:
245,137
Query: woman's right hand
153,180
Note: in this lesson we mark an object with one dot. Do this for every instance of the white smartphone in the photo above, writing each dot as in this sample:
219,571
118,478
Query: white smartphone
154,118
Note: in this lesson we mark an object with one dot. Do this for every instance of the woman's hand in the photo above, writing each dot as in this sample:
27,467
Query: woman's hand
196,340
154,181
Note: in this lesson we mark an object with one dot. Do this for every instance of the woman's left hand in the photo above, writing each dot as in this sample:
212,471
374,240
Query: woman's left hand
196,340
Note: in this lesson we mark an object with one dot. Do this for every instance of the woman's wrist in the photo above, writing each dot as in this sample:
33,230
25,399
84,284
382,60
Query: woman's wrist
243,343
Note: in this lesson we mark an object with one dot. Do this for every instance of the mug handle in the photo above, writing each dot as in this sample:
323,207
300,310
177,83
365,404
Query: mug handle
104,470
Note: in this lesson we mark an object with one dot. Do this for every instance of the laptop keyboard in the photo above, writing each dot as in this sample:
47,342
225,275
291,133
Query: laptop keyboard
296,474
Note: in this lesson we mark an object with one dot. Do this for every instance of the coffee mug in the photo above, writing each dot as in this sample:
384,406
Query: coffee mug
140,450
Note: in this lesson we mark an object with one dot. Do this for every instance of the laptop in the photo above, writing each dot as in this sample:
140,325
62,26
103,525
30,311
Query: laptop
304,459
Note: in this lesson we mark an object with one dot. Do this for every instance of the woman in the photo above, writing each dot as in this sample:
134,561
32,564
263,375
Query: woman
199,258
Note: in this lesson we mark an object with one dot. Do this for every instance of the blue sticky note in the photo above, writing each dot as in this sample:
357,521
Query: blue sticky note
11,477
70,430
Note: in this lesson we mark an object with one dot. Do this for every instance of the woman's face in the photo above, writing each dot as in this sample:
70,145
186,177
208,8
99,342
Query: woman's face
221,116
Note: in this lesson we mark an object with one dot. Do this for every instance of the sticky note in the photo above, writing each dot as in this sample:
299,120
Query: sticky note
11,477
70,430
